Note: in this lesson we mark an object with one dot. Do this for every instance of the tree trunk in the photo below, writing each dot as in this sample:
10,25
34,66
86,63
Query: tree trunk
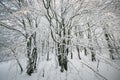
32,54
109,46
91,44
77,47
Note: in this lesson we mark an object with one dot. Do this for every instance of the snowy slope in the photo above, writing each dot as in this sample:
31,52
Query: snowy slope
49,70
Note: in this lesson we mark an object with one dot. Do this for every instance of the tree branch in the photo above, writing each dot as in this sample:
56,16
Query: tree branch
9,27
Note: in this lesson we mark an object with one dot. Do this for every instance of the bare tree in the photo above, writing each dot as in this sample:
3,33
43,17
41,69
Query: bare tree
25,22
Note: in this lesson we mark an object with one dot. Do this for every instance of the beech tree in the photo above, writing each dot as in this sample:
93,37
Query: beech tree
25,21
61,27
62,16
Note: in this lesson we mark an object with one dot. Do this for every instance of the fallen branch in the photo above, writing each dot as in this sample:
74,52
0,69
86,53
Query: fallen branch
104,78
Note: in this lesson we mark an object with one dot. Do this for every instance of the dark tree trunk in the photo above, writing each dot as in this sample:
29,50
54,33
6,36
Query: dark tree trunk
109,46
85,51
71,55
32,56
93,58
77,47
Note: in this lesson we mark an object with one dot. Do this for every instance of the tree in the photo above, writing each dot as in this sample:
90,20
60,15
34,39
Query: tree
62,17
26,24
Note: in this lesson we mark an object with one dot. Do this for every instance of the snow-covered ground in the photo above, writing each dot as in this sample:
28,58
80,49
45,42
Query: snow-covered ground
49,70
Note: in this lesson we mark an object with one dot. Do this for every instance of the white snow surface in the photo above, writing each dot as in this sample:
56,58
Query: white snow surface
49,70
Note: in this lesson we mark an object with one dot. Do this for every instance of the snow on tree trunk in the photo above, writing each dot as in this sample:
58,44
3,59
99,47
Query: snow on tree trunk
32,54
91,47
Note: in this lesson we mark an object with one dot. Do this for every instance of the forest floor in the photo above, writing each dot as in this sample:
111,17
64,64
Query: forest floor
84,69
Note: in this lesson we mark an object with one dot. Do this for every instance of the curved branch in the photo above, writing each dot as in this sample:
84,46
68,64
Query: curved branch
9,27
12,50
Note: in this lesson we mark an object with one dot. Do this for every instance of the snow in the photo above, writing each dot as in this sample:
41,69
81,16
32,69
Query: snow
73,23
49,70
